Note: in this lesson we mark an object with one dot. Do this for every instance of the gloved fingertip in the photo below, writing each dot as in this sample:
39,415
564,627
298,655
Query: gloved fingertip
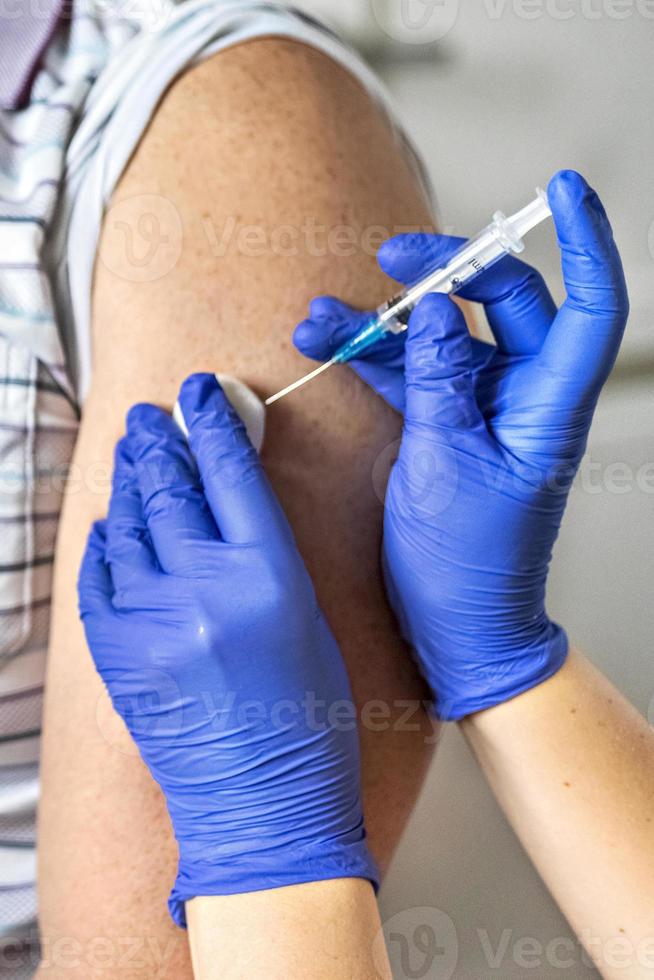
401,250
409,257
143,414
198,387
311,337
204,403
328,307
331,323
571,198
568,183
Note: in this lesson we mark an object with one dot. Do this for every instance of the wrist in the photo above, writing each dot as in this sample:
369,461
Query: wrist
495,670
328,930
228,870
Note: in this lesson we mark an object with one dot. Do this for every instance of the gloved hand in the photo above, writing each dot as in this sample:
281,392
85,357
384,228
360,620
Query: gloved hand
204,625
492,440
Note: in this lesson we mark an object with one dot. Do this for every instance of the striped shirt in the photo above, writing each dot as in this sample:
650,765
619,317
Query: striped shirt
39,414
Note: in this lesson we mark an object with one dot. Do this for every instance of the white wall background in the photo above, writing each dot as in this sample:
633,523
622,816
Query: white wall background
505,93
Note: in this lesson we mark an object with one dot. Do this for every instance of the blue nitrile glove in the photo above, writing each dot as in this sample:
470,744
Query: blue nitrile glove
204,625
490,447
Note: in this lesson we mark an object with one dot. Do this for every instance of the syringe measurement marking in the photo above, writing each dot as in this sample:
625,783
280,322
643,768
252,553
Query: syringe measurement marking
455,281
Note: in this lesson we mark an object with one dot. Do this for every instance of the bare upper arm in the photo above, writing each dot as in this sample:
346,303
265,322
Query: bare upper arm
271,136
267,154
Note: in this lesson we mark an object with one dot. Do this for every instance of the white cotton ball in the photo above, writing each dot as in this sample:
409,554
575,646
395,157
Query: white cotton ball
251,409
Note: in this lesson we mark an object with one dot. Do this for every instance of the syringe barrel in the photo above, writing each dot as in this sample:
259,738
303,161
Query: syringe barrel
474,257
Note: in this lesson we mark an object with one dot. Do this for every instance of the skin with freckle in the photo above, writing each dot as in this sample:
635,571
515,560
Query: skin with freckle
272,136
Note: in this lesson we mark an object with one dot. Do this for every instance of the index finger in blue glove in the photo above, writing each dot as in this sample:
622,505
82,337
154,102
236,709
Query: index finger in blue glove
241,499
176,512
584,339
517,302
129,551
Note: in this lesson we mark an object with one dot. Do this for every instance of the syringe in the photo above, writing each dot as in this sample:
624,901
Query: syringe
501,236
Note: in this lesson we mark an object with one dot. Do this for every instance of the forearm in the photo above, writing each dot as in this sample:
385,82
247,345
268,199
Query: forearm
572,764
324,929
